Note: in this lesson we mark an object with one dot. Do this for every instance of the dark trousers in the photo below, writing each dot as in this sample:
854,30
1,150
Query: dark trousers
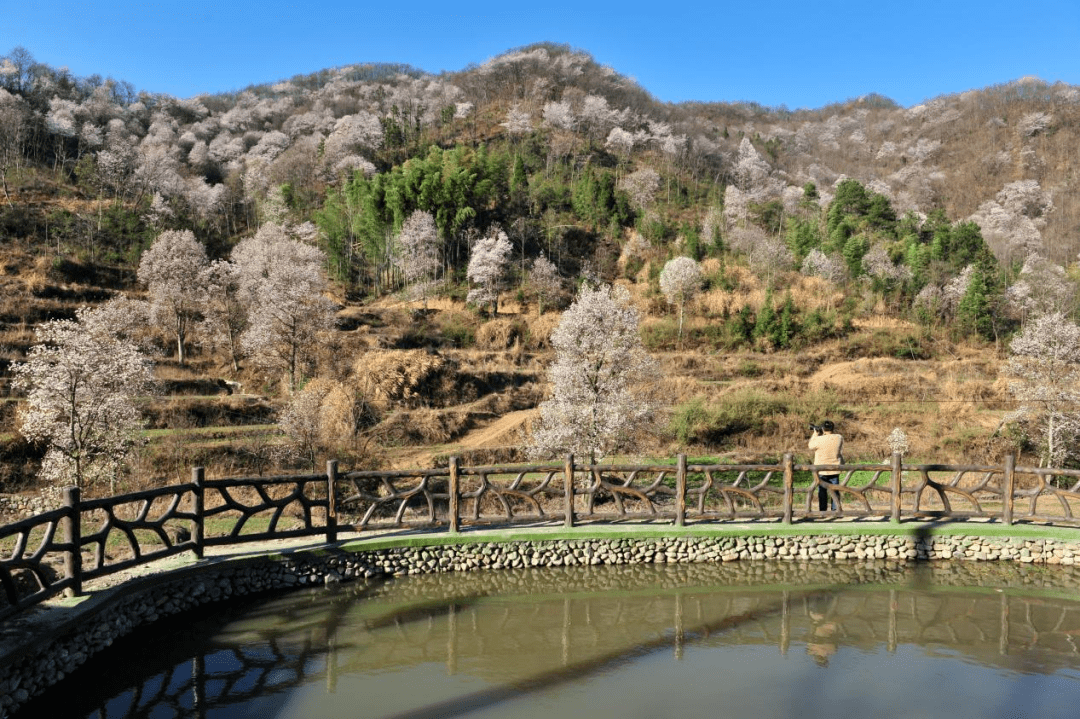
823,492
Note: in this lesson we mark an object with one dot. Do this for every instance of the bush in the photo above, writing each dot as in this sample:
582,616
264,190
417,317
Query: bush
459,329
883,343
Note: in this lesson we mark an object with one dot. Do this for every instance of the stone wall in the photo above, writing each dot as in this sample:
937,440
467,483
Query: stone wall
14,507
55,640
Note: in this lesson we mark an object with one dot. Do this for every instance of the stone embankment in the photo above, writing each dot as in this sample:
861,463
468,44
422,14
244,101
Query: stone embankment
40,648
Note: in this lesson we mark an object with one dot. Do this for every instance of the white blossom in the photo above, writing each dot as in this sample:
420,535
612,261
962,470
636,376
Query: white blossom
898,441
560,115
545,281
818,264
171,270
488,262
641,185
282,283
620,141
80,384
876,263
225,307
416,253
518,121
680,280
596,405
1044,367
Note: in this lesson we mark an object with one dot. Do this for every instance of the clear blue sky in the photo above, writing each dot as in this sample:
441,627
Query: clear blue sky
800,54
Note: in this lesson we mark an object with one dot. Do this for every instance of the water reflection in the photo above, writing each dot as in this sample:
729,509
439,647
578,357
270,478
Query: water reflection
775,639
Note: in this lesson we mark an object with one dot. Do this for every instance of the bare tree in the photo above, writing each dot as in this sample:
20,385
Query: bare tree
595,406
13,129
680,280
172,270
80,382
1045,369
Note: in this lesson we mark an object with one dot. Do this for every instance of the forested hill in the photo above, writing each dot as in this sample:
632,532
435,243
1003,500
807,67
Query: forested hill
568,157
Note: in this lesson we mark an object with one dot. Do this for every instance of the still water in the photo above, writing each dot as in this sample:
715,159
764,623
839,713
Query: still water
755,639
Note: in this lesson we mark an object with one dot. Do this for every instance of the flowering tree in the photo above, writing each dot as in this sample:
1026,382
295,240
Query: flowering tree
545,281
224,307
80,382
488,262
559,114
1045,370
818,264
282,282
518,121
172,272
877,264
679,281
1042,287
600,362
641,185
416,253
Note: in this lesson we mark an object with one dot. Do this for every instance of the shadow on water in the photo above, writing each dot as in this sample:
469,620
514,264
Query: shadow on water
422,611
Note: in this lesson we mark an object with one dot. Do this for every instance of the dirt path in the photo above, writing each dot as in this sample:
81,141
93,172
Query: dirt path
490,435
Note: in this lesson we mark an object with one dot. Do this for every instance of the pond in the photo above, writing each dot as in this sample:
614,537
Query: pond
781,639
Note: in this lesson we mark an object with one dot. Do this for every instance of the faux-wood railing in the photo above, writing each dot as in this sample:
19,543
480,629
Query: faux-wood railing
58,550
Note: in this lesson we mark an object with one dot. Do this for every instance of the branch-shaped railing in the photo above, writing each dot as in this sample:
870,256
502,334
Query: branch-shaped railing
85,539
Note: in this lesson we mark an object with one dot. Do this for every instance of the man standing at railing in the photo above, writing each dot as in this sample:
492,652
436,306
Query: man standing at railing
828,448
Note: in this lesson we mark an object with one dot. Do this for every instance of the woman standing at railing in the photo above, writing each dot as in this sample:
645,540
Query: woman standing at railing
828,448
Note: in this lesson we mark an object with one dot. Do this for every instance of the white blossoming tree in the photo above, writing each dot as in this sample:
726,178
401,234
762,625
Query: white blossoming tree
416,254
642,186
488,263
1044,367
283,285
80,382
172,272
595,406
545,281
225,307
680,280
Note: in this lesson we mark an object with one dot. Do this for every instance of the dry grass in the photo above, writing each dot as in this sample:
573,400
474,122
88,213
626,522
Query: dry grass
389,376
808,293
501,334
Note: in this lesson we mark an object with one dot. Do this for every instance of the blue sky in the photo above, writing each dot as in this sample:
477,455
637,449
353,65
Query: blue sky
799,54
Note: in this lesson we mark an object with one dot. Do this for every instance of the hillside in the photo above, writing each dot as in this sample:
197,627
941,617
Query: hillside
862,261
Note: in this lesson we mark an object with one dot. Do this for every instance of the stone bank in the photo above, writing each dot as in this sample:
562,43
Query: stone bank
42,646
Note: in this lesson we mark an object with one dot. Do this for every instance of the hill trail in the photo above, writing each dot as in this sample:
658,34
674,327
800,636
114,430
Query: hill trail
493,435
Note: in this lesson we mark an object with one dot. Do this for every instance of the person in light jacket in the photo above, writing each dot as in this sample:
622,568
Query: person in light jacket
828,448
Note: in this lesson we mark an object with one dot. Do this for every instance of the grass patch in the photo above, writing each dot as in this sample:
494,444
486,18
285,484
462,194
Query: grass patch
749,410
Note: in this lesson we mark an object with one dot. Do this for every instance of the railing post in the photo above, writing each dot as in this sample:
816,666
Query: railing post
331,500
1008,483
568,489
73,540
897,475
680,492
454,496
198,477
789,486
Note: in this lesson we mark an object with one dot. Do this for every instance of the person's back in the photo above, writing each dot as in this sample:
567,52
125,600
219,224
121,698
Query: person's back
828,448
